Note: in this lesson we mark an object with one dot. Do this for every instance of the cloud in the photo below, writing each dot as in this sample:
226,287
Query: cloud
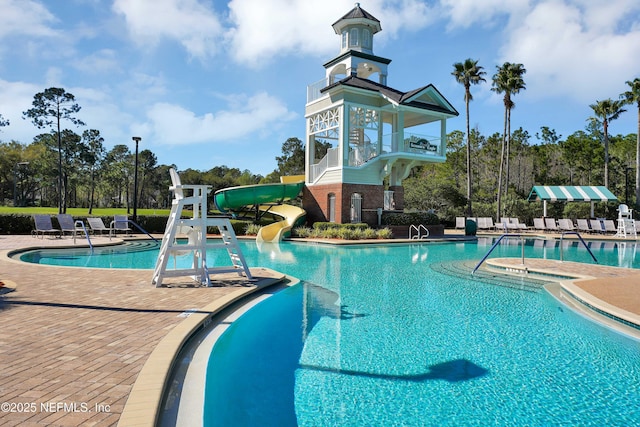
576,48
264,30
189,22
172,124
25,17
466,13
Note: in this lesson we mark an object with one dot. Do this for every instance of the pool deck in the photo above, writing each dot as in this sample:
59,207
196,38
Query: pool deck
77,344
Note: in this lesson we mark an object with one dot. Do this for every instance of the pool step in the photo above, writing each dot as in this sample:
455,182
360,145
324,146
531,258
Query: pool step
490,276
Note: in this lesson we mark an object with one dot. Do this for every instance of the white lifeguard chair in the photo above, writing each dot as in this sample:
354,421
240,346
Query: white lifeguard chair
626,225
195,228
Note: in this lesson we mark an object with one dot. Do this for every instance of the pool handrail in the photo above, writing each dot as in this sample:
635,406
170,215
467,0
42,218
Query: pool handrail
418,230
129,221
497,242
583,243
80,224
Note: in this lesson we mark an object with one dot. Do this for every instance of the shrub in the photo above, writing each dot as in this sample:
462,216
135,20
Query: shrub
252,229
325,225
409,218
384,233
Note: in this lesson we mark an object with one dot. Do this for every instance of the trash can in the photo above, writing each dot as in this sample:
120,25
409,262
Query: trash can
470,227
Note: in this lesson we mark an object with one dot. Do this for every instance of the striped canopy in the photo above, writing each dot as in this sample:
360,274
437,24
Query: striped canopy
571,193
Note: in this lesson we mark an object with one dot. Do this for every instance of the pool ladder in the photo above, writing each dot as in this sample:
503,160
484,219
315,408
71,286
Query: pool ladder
421,231
497,242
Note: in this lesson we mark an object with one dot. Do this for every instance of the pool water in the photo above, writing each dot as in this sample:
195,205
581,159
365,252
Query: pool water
378,335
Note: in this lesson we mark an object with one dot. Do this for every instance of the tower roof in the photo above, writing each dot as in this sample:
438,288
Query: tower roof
357,15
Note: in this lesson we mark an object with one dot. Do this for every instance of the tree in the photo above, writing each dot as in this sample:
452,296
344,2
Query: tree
633,96
93,158
3,121
49,107
509,81
468,73
606,111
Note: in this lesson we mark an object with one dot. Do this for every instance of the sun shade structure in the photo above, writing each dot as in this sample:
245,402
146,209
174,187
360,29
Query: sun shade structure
571,193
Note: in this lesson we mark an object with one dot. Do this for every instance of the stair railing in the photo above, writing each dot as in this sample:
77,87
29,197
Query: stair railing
497,242
581,239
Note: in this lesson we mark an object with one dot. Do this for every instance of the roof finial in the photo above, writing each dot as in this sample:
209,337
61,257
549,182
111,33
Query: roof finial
357,4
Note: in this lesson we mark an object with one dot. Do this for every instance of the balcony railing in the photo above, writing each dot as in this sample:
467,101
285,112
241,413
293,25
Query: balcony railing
313,90
330,160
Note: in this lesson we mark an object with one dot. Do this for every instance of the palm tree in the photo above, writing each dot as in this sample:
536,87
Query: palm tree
468,73
606,111
509,81
633,96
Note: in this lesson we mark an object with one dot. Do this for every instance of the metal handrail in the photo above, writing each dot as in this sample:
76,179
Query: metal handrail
418,229
496,244
86,233
581,239
111,228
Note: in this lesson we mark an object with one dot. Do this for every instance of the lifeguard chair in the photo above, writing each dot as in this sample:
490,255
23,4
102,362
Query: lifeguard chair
626,225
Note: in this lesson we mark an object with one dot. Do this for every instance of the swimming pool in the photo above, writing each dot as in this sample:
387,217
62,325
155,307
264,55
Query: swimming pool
379,335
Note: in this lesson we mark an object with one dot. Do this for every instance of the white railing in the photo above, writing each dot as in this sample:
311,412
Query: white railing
361,154
330,160
313,90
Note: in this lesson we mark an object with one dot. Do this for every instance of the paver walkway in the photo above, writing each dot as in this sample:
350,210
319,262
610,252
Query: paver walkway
73,341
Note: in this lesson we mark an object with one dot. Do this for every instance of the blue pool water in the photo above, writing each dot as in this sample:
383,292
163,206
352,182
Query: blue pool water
380,335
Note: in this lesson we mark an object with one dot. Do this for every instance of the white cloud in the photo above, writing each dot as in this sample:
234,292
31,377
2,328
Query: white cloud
101,61
189,22
171,124
575,49
465,13
264,30
25,17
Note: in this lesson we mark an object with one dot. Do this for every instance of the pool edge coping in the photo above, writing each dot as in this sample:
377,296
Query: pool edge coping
143,405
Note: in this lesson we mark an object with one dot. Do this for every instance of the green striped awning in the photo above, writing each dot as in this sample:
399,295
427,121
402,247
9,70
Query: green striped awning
571,193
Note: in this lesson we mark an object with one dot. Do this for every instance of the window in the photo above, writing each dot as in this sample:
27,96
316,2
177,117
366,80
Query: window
353,38
356,208
332,207
366,38
344,39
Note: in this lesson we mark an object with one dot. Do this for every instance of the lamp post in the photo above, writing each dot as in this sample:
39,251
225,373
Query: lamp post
137,139
15,181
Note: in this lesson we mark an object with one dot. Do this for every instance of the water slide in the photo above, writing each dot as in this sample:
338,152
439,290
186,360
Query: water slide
268,198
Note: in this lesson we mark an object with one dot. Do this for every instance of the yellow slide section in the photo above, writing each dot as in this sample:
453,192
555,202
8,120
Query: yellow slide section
274,232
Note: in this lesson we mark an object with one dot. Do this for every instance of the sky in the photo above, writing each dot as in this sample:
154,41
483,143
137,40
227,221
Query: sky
207,83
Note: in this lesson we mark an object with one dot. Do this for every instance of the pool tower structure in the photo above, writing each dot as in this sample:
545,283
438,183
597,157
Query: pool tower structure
377,133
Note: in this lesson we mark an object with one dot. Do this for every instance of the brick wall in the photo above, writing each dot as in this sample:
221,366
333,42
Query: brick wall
315,200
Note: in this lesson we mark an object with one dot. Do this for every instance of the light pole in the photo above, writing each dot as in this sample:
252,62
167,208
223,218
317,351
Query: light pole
137,139
15,182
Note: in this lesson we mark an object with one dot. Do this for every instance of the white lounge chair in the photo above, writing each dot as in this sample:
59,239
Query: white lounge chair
97,225
460,222
44,226
583,226
565,224
550,224
596,226
68,225
610,226
120,223
521,226
538,224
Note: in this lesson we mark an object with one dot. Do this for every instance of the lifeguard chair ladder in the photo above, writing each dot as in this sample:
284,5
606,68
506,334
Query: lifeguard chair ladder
195,229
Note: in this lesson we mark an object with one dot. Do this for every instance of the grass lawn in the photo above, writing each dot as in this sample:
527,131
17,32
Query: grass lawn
81,212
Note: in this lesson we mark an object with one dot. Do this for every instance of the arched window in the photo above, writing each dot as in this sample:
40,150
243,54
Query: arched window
332,207
354,40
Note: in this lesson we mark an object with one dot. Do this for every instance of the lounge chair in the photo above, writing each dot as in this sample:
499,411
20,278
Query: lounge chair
610,226
460,222
68,225
538,224
565,224
44,226
97,225
550,224
521,226
596,226
583,226
120,223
